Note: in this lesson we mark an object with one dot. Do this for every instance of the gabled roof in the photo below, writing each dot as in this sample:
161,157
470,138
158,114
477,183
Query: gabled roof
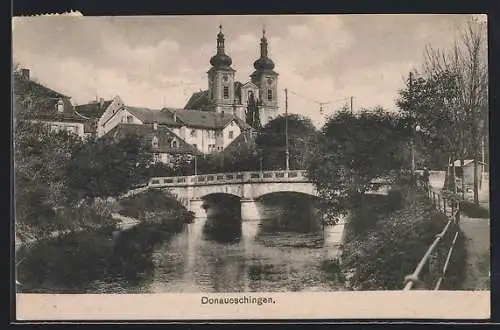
146,132
94,109
243,141
37,101
149,116
205,119
199,100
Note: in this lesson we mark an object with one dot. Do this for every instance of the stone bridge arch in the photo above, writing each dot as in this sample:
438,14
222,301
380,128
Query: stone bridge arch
305,188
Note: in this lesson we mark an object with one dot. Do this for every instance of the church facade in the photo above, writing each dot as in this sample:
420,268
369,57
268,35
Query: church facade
254,101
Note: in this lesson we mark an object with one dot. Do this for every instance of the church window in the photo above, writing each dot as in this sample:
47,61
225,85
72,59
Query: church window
269,94
226,92
194,133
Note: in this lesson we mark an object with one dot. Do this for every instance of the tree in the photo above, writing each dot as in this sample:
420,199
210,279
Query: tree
271,141
352,150
460,79
40,157
104,167
252,113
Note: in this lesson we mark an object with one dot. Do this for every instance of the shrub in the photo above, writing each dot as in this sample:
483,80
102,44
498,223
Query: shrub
156,206
392,248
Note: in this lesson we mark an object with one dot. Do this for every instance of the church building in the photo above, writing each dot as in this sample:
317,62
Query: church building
255,101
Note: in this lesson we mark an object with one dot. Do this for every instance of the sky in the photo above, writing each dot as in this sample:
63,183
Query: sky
156,61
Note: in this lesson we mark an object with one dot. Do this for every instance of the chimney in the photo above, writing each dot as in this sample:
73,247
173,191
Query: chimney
101,102
25,74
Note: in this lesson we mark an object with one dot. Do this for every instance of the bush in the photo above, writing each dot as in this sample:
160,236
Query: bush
156,206
392,248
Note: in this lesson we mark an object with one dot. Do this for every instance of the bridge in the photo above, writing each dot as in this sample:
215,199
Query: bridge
247,187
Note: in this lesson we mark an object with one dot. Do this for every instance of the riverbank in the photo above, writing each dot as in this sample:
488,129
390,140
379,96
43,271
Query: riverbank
384,245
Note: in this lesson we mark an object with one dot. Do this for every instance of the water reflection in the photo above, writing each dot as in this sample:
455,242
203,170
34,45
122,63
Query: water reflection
284,251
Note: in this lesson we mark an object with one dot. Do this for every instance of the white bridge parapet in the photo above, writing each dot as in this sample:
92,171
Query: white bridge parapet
229,178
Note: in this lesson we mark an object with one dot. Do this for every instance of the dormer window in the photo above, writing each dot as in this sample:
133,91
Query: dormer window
154,142
60,105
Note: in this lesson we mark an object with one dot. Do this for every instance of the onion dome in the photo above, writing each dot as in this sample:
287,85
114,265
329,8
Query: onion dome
220,59
264,62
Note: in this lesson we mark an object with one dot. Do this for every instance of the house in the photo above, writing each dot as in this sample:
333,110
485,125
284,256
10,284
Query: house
92,111
37,103
206,131
467,172
163,143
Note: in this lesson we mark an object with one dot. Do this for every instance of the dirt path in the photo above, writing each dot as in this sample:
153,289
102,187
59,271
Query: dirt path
477,232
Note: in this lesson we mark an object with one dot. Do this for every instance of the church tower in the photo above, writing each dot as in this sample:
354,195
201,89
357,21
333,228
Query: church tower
266,79
221,79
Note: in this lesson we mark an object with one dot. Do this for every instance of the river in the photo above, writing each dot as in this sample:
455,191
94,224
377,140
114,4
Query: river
248,256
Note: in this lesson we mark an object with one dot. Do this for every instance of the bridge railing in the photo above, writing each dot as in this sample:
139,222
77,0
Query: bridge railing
452,211
236,177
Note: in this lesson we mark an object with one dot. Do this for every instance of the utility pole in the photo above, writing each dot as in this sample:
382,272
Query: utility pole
286,131
351,104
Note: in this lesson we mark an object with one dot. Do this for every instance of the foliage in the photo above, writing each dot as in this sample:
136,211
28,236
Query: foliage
271,142
103,168
252,113
41,187
352,151
449,100
383,256
156,206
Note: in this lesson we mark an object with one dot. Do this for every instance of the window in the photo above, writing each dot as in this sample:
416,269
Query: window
226,92
211,134
129,119
269,94
231,133
156,157
195,145
174,144
194,133
218,134
155,126
60,105
154,142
